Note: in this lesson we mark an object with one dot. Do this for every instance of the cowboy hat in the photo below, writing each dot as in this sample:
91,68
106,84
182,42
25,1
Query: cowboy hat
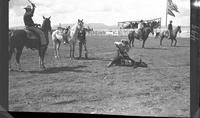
27,7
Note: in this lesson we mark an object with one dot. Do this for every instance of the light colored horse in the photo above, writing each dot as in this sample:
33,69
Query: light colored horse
164,34
69,36
72,36
57,37
143,37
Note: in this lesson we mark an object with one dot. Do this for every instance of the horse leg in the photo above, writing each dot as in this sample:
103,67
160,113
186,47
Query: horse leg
41,57
55,52
161,40
18,55
130,43
80,49
86,51
43,54
175,42
73,50
70,51
171,42
10,57
57,49
143,43
133,41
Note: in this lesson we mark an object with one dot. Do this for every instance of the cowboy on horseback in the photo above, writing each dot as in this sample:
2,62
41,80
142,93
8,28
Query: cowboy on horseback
170,29
30,25
140,28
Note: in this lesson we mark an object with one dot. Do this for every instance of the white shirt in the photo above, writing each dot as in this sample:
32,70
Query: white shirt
140,26
122,46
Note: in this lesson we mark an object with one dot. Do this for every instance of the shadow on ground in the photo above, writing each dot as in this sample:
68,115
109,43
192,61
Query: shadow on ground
93,58
61,69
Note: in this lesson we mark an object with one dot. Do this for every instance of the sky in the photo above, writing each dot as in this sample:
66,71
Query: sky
108,12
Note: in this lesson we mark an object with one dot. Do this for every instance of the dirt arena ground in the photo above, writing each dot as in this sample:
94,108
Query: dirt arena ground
88,86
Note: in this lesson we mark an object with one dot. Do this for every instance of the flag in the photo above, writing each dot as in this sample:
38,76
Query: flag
171,7
170,12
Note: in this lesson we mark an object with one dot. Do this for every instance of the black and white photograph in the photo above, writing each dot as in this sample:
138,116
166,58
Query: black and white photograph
112,57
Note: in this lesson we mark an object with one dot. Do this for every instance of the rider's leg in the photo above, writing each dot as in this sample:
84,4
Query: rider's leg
42,37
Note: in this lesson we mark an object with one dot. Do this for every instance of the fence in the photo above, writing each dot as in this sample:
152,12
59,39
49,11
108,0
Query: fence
124,32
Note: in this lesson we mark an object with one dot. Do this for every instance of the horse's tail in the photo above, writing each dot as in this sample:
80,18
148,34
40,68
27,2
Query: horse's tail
10,42
53,35
10,37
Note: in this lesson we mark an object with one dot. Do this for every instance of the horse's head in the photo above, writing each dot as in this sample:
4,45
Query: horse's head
80,24
46,25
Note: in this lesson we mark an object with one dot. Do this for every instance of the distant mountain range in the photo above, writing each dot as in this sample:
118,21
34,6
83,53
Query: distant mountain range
95,26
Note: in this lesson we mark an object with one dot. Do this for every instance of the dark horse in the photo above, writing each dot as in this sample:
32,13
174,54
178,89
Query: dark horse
132,35
164,34
18,39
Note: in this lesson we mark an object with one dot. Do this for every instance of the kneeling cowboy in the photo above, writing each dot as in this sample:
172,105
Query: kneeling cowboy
122,52
30,25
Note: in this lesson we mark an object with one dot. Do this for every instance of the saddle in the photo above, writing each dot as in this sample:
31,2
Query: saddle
138,34
31,34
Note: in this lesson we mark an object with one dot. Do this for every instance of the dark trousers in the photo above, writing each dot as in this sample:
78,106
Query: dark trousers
39,32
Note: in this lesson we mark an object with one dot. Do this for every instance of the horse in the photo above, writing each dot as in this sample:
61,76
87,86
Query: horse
57,37
20,38
72,36
165,34
133,34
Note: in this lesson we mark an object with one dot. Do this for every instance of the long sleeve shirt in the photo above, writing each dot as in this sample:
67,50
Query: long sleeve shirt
28,21
170,27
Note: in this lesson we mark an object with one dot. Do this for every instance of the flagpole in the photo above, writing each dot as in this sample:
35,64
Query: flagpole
166,14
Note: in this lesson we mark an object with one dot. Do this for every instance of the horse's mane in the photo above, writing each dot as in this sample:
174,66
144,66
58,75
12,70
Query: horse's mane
43,24
74,26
